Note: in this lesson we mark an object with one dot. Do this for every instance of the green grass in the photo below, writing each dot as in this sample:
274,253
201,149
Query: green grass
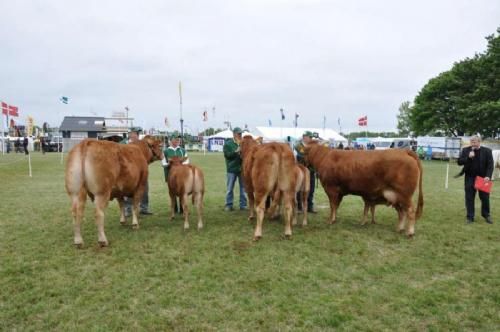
340,277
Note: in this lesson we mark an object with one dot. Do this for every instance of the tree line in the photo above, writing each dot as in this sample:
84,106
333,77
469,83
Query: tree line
464,100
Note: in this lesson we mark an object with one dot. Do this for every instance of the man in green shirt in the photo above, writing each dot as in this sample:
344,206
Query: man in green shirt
173,150
299,148
233,166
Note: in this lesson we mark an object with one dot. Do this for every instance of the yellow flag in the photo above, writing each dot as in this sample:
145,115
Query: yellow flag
29,130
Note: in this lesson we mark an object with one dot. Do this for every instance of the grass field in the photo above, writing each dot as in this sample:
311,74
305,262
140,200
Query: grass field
327,277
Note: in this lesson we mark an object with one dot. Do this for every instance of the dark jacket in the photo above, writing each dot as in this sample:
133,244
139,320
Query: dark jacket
485,162
232,156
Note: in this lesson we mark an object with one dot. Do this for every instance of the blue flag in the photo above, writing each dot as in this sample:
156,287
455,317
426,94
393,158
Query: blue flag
64,99
270,123
282,114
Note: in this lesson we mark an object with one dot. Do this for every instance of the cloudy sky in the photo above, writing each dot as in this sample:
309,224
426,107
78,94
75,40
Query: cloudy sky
339,59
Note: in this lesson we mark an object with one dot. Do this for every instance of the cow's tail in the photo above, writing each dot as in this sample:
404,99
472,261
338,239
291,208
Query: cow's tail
84,156
420,203
193,194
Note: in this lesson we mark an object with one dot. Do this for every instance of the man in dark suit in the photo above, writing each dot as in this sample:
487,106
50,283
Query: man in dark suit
477,161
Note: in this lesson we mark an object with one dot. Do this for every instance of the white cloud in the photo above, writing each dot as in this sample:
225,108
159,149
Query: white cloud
249,58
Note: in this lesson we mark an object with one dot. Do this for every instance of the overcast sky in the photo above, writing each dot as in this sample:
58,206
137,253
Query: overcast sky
339,59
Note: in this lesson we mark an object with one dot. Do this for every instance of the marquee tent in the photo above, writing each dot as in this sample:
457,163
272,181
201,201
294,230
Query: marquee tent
281,134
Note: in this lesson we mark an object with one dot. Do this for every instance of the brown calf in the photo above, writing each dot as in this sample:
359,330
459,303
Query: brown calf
105,170
184,180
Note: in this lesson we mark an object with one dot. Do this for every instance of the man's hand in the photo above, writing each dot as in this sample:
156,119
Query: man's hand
237,150
486,179
471,154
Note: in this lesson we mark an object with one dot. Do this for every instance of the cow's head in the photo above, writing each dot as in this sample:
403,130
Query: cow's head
155,146
248,143
176,161
311,151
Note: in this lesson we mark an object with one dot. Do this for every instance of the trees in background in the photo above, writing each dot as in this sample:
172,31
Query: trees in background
462,101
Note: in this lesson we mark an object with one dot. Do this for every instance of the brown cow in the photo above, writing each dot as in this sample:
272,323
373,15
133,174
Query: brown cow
184,180
388,176
303,186
267,168
105,170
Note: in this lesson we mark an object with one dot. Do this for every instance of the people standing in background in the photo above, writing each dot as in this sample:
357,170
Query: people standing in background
420,152
25,145
477,161
233,167
428,153
133,136
307,137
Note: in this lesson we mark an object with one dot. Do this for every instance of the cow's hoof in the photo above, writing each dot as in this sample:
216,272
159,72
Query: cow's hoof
304,225
123,223
331,222
401,231
256,238
186,228
374,222
410,236
103,244
288,236
79,245
200,227
135,226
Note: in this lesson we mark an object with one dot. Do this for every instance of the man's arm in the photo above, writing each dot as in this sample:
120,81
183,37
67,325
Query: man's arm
489,163
185,155
229,152
464,157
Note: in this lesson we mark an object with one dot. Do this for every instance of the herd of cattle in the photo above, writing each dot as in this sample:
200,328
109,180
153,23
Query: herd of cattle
106,170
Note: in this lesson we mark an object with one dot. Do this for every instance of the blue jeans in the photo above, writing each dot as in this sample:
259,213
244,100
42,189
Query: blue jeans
143,206
231,180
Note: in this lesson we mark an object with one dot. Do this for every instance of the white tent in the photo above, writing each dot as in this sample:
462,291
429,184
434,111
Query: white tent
281,134
216,142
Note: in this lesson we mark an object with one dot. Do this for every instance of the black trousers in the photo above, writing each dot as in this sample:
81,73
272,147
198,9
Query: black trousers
312,183
470,196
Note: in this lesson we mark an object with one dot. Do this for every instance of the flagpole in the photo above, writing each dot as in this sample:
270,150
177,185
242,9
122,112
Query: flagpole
281,124
182,120
3,136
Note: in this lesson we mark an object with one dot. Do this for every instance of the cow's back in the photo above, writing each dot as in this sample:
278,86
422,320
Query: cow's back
370,172
105,167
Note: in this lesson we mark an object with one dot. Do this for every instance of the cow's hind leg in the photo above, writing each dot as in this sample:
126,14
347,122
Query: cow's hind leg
288,202
260,206
172,205
184,205
372,210
77,210
199,208
121,204
251,206
101,202
410,229
335,198
305,207
401,219
365,213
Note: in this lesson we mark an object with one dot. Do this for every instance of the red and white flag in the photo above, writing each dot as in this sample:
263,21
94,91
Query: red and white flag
10,109
363,121
5,108
13,110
